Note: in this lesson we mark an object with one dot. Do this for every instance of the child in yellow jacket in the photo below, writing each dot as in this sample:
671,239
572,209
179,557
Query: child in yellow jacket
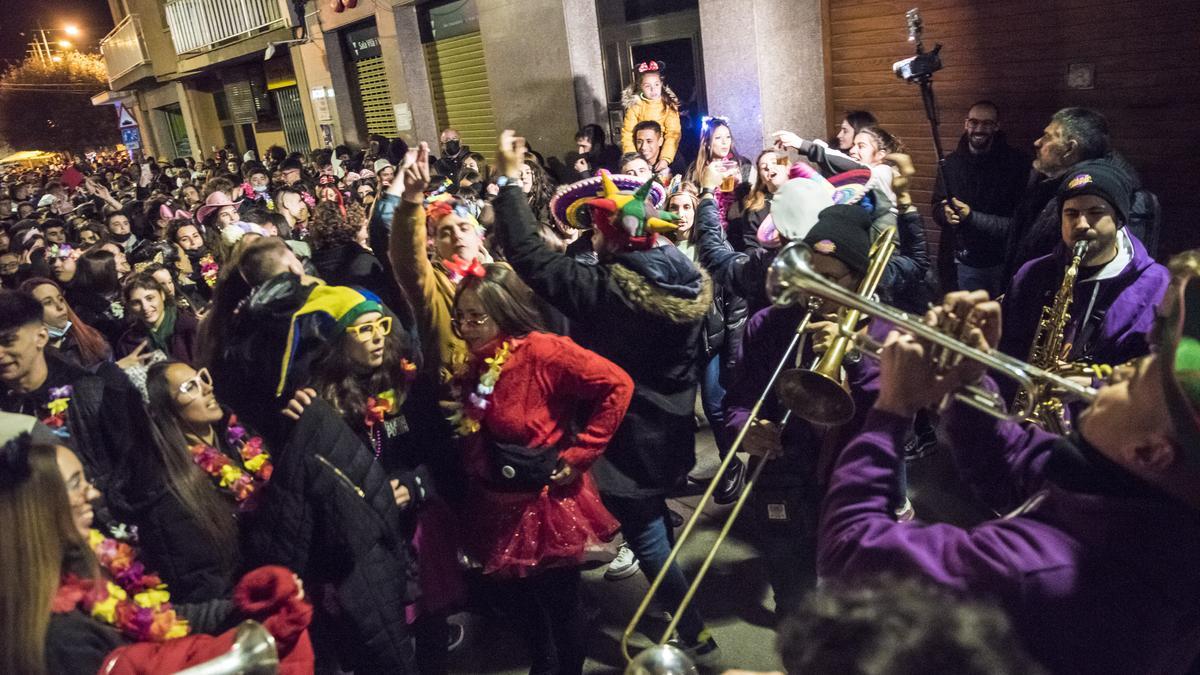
649,98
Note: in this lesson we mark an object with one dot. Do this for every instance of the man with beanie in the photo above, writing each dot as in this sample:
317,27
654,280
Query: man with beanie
786,500
1073,135
1095,563
642,307
1118,285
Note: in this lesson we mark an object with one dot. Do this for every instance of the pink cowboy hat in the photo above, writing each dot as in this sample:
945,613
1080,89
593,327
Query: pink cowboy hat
214,202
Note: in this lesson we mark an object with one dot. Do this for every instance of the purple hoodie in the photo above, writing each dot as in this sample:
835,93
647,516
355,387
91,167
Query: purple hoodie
1122,303
1094,580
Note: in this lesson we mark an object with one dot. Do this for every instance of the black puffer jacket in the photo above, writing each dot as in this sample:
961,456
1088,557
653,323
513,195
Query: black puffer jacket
330,516
643,311
723,327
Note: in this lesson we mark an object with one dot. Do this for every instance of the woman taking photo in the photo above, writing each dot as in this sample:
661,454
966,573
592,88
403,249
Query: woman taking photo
369,373
716,145
76,341
536,411
746,215
157,322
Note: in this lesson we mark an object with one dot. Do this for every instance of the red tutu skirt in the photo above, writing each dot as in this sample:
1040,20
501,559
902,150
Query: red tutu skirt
517,534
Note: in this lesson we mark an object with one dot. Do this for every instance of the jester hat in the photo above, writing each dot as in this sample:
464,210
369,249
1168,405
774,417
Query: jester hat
567,205
326,313
629,220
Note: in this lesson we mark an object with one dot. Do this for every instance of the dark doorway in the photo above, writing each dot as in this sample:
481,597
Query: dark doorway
679,55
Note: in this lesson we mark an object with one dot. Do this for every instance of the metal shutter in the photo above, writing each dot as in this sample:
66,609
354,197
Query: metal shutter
461,99
295,133
376,101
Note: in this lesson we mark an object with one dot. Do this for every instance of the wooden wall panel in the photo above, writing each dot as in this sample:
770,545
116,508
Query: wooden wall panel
1016,53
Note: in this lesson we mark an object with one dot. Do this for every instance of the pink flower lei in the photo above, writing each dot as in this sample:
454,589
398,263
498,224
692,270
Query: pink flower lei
242,484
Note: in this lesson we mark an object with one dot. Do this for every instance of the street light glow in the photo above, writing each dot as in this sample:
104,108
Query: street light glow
65,44
56,59
71,29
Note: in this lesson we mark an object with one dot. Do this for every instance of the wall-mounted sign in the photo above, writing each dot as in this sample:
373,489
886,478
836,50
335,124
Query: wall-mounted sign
453,19
322,100
363,42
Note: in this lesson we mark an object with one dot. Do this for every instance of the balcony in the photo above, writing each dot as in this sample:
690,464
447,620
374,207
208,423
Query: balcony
202,25
124,49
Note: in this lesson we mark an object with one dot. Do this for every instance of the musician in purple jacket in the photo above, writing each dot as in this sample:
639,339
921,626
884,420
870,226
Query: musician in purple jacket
1097,561
1118,285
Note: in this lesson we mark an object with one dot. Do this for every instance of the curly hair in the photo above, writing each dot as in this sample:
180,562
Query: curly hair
331,227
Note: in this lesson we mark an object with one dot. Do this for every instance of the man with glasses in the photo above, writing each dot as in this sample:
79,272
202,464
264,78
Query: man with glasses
98,415
986,177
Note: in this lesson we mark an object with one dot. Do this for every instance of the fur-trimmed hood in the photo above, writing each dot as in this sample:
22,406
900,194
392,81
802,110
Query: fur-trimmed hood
631,96
655,282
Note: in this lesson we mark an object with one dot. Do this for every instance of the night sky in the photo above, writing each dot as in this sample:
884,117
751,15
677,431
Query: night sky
19,17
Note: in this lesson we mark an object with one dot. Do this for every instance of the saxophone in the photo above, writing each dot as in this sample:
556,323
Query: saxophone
1048,349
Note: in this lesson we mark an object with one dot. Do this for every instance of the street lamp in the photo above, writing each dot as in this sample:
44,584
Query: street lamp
71,29
65,44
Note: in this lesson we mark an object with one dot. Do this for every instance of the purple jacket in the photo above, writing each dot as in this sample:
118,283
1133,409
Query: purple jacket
1122,307
1094,580
768,334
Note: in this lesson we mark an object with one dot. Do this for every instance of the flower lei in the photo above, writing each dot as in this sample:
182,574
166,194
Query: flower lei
134,601
229,476
264,197
56,409
383,405
209,270
466,421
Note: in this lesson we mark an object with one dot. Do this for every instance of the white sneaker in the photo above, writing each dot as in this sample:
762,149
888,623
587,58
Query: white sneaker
624,565
906,513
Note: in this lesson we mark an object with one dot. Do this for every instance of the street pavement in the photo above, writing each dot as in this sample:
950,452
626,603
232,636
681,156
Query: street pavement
734,599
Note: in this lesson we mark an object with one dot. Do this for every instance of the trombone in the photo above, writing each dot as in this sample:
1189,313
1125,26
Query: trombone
830,396
820,394
792,272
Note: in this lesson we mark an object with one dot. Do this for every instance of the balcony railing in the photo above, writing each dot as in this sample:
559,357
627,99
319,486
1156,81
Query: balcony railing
199,25
123,48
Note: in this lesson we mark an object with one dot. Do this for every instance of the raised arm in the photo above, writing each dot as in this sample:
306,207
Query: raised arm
574,288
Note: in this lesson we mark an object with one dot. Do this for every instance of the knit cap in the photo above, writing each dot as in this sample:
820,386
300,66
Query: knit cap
843,231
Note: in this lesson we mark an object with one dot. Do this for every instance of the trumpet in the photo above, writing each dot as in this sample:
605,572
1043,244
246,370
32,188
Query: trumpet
792,274
819,394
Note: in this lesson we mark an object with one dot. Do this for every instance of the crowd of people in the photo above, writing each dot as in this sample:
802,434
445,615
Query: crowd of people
352,393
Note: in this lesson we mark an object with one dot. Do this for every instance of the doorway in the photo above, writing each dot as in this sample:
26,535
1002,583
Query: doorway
634,31
178,130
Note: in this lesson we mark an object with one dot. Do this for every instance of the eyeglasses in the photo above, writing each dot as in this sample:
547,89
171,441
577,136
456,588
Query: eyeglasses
477,321
365,332
193,387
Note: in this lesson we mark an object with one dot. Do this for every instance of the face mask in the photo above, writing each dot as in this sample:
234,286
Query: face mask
58,333
452,147
260,188
121,239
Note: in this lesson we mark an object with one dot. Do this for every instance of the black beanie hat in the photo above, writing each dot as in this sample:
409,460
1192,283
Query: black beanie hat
844,232
1102,178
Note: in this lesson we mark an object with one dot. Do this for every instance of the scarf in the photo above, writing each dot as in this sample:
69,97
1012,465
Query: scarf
159,336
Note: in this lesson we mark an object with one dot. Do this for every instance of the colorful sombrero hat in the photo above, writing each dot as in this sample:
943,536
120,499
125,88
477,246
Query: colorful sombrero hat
567,204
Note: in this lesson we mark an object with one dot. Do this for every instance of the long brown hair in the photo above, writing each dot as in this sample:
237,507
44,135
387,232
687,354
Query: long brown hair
173,463
40,544
340,381
757,198
704,154
93,348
